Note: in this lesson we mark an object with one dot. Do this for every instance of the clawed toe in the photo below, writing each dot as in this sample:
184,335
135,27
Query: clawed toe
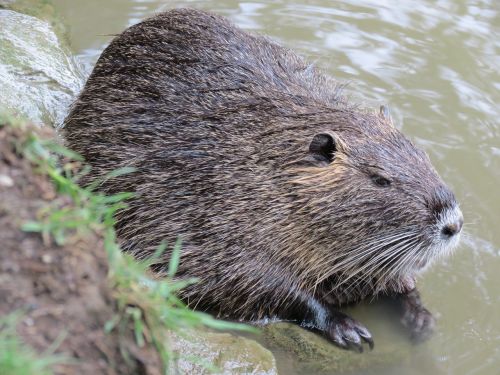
348,333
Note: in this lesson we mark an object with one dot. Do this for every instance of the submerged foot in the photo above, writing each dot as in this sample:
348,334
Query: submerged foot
416,318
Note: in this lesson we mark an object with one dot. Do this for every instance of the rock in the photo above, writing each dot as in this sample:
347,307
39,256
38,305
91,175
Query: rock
41,9
222,352
38,76
311,354
6,181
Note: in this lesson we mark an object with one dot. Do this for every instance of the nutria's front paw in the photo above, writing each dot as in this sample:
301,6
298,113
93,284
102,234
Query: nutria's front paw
420,323
348,333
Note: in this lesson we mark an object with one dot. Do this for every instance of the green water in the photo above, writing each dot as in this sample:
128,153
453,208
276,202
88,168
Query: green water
437,65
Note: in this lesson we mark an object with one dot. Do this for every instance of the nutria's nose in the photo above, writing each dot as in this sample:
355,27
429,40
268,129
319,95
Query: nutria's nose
451,229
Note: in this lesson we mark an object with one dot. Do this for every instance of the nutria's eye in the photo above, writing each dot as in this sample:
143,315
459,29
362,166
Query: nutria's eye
380,181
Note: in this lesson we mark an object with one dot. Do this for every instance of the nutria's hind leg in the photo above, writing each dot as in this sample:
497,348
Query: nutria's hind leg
416,318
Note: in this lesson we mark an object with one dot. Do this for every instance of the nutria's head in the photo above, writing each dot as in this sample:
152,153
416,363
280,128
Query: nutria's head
376,206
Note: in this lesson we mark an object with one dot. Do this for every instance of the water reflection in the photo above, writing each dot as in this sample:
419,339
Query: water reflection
437,64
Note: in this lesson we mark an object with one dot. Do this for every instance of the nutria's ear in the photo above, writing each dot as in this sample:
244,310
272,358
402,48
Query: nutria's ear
386,114
323,148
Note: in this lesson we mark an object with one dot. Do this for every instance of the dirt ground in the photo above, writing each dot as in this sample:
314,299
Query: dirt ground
62,290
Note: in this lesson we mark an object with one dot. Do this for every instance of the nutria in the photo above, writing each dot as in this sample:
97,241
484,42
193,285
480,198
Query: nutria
290,202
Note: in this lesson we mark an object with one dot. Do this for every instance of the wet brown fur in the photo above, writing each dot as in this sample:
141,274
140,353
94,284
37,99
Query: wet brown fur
218,124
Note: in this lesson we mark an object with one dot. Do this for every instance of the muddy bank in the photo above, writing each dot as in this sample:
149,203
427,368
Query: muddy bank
61,292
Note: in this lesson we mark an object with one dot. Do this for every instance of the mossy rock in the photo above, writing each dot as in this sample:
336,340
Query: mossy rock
311,353
222,353
38,75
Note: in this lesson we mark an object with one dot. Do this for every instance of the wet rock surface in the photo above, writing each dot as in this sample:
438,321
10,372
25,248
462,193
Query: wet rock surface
227,353
38,75
41,9
310,353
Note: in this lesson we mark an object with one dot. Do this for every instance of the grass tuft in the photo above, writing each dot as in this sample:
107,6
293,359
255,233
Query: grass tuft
19,359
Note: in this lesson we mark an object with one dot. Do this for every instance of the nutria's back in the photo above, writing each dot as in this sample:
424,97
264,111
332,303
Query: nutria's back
282,193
